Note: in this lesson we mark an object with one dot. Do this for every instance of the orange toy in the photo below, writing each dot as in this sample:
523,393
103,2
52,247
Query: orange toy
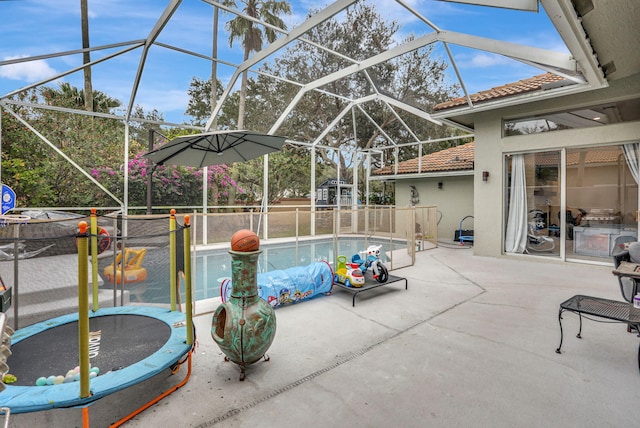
245,240
133,271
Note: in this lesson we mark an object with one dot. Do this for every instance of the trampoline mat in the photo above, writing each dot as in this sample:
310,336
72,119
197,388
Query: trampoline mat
115,342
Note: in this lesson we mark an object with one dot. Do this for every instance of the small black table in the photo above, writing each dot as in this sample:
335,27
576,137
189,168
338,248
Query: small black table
369,284
613,310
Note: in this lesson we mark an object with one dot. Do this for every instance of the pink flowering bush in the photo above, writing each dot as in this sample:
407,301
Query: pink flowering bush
172,185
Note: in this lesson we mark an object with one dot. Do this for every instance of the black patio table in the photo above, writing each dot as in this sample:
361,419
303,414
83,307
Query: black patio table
613,310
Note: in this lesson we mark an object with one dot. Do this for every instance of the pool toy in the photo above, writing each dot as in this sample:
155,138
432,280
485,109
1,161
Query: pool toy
380,272
293,285
133,270
349,274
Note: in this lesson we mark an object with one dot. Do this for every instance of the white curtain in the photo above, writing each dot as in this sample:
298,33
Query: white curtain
516,237
631,156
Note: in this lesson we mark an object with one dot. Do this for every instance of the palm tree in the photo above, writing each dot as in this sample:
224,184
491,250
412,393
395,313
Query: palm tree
86,56
252,36
69,96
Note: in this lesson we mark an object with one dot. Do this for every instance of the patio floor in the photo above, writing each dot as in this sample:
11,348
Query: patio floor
470,343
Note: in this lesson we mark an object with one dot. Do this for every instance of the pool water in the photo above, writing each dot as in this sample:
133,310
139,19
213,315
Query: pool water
209,267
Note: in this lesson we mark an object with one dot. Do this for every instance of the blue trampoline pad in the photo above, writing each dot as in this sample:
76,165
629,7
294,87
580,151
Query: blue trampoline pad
128,345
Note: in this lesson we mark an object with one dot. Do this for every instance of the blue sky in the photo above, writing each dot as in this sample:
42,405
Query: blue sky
40,27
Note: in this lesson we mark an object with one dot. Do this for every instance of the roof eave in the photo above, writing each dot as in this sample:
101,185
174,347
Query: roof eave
563,16
439,174
510,101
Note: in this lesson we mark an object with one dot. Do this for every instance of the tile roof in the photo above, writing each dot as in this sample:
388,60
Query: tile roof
601,156
532,84
459,158
594,156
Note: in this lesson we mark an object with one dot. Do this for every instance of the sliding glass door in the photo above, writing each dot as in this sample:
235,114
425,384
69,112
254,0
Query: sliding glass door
602,199
533,204
598,216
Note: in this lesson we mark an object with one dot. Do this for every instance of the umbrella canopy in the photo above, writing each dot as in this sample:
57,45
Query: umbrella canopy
213,148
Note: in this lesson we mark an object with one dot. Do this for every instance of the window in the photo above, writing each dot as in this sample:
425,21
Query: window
625,111
600,207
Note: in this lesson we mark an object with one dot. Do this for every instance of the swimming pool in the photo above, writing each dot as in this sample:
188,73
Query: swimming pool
209,267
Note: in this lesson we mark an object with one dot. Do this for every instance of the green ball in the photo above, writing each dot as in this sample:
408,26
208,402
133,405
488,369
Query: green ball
42,381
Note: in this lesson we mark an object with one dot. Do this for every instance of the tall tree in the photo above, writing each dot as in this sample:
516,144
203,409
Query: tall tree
89,141
252,36
86,55
291,165
67,95
24,157
40,176
213,100
416,78
201,99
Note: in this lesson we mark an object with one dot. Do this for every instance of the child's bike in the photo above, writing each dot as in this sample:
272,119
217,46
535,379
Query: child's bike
379,270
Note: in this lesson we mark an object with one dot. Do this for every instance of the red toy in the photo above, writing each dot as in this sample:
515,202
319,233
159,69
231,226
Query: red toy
245,240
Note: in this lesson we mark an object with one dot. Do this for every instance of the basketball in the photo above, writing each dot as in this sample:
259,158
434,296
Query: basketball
245,240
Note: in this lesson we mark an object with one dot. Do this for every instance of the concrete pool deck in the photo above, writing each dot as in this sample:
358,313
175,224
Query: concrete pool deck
471,343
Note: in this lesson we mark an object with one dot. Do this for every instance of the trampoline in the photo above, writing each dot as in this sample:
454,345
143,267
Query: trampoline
128,344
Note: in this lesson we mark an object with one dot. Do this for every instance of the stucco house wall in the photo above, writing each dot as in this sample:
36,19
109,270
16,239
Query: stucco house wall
443,179
453,201
491,147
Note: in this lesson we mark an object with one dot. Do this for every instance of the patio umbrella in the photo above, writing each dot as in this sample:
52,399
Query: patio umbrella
213,148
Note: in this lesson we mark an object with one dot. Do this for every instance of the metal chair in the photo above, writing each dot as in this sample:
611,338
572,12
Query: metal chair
628,286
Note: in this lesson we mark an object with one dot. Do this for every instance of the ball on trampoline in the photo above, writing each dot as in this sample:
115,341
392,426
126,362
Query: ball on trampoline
71,373
41,381
58,380
76,377
94,370
68,378
50,380
245,240
77,369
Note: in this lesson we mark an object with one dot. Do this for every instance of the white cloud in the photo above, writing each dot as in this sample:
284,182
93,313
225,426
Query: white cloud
27,71
482,60
549,40
171,103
